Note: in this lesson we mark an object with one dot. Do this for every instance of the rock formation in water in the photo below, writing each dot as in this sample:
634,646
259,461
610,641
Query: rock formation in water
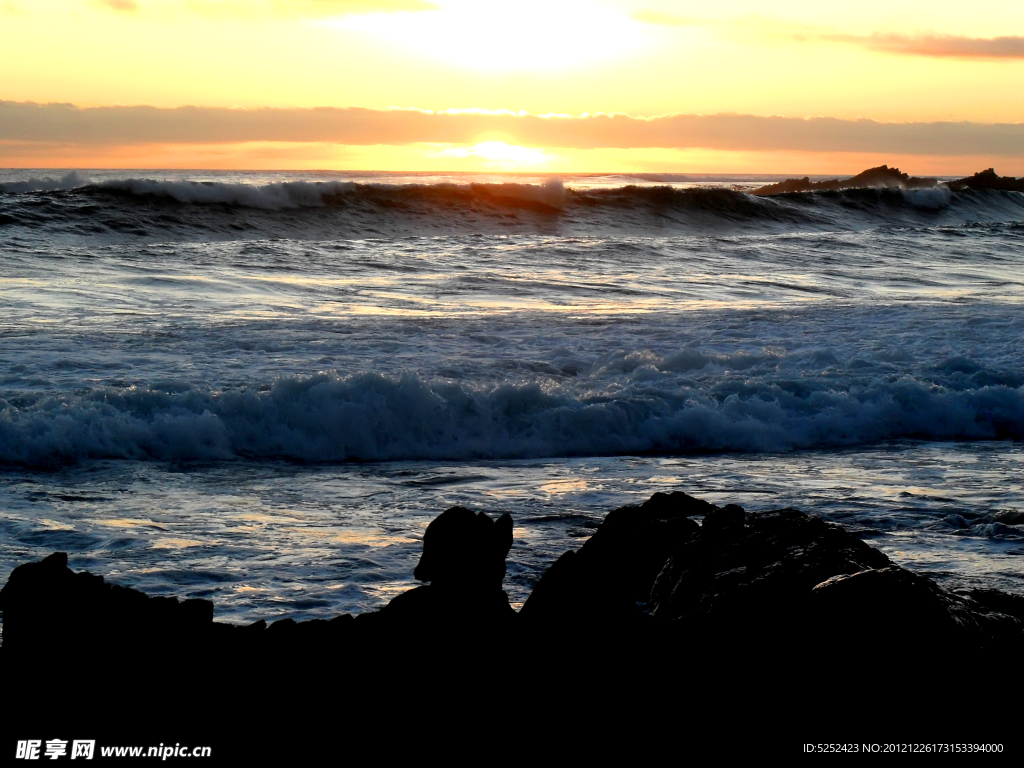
988,180
884,177
781,575
674,611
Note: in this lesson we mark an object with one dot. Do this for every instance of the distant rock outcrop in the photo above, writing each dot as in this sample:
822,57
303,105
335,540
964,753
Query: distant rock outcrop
884,177
988,180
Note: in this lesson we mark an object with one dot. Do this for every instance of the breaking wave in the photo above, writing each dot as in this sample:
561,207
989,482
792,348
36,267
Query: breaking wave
151,207
46,184
369,417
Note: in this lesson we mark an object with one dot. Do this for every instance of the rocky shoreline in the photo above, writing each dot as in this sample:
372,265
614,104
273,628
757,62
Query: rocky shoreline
762,601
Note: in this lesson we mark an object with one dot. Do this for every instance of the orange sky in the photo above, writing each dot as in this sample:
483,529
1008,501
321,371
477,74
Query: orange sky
933,87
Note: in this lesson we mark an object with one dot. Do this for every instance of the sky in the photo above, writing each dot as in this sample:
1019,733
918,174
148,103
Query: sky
515,85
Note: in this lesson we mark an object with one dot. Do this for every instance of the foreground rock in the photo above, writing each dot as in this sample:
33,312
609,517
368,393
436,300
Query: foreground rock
464,561
49,610
791,580
781,579
672,575
675,617
614,570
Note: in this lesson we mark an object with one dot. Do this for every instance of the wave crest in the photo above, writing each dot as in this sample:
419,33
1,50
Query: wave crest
145,207
370,417
72,180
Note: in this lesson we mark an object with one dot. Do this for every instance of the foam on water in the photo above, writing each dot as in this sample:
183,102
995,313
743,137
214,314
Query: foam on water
167,342
369,417
184,207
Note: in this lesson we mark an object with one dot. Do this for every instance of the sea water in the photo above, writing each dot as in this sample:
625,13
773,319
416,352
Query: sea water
260,388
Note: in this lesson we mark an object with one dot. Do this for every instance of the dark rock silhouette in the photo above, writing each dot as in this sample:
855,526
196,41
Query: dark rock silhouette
873,178
751,569
884,177
792,578
988,180
604,580
782,572
464,561
648,568
908,610
50,609
656,617
460,548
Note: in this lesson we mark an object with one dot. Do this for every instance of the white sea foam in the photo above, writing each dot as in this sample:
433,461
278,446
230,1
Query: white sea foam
267,317
932,198
551,193
369,417
71,180
303,194
380,208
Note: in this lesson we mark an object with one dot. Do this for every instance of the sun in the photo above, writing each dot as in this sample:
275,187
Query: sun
496,35
499,155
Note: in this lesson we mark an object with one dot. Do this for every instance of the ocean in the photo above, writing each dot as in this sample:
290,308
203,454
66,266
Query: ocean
259,388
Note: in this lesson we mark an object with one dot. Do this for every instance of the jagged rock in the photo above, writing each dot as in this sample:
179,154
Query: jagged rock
886,606
791,581
999,602
780,578
882,177
464,561
615,568
461,547
885,177
989,180
47,607
778,612
756,570
723,521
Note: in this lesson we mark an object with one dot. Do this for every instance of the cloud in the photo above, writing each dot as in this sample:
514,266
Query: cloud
68,124
325,8
946,46
952,46
662,19
126,6
309,9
